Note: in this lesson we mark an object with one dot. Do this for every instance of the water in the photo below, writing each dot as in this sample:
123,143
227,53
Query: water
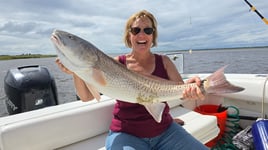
64,82
251,60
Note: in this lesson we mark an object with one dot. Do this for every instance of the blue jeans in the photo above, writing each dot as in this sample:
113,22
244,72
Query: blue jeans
174,138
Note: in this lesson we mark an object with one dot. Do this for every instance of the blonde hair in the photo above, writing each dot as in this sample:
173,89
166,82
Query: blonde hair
132,19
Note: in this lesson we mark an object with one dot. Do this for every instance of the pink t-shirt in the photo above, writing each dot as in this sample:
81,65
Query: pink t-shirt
134,118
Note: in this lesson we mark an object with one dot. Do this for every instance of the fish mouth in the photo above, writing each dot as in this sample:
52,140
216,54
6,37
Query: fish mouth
56,40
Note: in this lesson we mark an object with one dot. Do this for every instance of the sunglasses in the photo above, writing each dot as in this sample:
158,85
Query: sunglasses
137,30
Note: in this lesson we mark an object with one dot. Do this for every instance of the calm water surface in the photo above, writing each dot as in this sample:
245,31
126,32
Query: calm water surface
249,60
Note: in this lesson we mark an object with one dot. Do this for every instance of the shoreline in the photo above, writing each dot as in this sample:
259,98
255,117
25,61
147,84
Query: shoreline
27,56
216,49
204,50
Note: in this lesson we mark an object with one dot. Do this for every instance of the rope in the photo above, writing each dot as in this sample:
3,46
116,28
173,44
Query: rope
231,129
263,98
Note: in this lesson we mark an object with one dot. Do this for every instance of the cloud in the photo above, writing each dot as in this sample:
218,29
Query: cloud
26,25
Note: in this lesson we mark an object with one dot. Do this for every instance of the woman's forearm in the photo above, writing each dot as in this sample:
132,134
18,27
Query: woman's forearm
81,89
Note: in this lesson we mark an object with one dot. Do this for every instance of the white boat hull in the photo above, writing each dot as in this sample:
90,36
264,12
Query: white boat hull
82,125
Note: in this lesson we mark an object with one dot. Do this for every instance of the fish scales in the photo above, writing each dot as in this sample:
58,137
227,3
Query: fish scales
103,74
142,88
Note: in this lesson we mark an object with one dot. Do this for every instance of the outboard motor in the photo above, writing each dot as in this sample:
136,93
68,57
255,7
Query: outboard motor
28,88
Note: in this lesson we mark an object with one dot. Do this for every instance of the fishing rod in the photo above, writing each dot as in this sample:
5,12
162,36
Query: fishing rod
252,8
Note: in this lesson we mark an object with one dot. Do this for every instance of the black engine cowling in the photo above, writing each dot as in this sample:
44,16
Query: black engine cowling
28,88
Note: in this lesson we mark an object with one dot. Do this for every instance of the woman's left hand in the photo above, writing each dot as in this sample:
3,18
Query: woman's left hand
193,93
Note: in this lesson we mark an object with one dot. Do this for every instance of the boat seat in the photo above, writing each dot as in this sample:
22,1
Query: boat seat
202,127
82,125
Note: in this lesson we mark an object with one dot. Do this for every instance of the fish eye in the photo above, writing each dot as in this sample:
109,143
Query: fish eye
71,37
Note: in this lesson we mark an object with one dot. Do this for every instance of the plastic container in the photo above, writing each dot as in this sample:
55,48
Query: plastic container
221,119
260,134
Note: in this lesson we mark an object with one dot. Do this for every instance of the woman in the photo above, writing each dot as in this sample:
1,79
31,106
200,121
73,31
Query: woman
132,127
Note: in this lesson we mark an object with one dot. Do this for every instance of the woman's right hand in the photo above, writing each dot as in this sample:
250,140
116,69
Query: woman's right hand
80,86
62,67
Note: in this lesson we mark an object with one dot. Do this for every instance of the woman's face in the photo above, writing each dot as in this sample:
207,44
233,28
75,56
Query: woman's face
141,39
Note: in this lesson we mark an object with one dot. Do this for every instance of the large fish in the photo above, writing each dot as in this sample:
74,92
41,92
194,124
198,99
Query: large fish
103,74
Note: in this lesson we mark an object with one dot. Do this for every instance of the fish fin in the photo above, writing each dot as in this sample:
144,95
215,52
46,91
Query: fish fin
216,83
99,77
94,92
156,110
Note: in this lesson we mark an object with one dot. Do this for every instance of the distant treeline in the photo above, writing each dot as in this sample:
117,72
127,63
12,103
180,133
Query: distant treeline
24,56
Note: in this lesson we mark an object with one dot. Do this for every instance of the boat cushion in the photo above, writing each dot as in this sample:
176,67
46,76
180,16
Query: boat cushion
80,125
202,127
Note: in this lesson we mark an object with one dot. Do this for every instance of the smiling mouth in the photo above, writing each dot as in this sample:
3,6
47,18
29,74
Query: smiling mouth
141,42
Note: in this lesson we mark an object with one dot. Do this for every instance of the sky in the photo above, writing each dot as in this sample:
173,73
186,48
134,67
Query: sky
26,25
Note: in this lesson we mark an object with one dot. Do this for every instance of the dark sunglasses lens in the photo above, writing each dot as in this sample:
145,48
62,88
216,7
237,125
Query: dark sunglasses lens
148,31
135,30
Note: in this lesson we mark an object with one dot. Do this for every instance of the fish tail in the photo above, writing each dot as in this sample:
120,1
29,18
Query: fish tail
216,83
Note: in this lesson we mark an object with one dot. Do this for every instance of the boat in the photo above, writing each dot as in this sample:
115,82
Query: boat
84,125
